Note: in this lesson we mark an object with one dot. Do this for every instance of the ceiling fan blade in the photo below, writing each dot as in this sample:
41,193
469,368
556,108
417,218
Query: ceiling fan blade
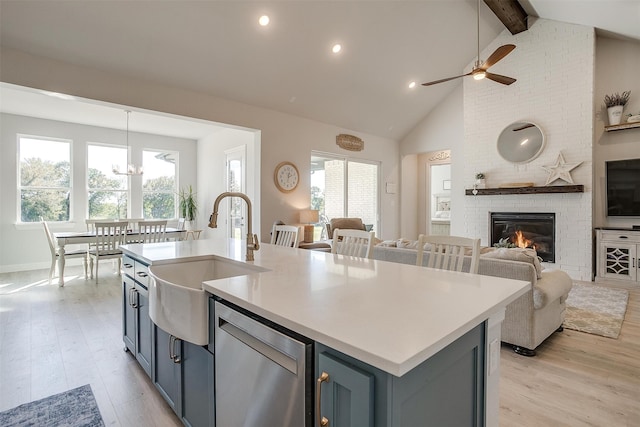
444,80
499,53
500,79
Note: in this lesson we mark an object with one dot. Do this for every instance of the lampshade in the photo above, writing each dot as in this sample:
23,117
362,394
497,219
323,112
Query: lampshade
309,216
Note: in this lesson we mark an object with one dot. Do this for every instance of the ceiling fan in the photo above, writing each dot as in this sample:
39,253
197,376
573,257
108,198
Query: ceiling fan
479,70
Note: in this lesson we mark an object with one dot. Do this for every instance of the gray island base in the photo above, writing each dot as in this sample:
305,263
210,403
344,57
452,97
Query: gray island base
355,342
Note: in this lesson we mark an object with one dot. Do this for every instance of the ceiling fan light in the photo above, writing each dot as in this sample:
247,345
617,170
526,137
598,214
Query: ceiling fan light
479,75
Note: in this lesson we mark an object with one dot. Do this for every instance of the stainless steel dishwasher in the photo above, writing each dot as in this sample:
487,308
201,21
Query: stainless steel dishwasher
263,373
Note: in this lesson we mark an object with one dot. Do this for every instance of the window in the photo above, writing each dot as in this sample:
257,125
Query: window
159,185
342,187
45,179
108,193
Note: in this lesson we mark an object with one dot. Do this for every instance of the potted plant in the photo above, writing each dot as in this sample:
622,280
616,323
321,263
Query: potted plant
188,207
615,104
480,183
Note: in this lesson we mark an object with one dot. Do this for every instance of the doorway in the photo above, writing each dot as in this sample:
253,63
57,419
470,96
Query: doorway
236,182
439,198
434,193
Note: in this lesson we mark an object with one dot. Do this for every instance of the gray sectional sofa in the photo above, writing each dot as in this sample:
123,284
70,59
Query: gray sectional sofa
530,319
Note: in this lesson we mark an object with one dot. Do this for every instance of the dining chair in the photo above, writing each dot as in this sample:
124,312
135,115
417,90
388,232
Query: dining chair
357,243
448,252
109,237
152,231
134,223
53,246
285,235
91,223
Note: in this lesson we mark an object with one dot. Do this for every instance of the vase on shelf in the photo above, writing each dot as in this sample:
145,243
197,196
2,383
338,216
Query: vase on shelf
480,183
615,114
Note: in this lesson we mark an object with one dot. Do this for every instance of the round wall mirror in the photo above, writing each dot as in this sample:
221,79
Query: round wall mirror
520,142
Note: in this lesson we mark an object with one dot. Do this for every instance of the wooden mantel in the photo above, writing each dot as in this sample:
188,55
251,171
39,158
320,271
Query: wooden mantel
526,190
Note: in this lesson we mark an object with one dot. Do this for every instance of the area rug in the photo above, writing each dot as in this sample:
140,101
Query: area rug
73,408
596,310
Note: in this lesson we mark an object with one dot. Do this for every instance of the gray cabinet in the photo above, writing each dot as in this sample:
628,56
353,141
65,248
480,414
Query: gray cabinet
197,386
448,389
166,372
347,399
183,373
136,323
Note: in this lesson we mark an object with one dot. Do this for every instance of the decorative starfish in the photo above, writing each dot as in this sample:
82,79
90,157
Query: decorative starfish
561,170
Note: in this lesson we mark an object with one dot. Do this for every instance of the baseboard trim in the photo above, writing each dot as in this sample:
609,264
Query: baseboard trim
13,268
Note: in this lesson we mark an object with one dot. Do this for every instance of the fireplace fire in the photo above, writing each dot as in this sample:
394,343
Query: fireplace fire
526,230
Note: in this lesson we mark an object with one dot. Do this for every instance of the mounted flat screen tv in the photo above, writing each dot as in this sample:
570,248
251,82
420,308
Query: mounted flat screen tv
623,187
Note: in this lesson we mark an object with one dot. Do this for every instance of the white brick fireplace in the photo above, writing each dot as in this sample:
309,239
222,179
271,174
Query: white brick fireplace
554,66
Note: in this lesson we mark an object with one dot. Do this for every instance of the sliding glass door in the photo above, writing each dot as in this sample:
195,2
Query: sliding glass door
344,187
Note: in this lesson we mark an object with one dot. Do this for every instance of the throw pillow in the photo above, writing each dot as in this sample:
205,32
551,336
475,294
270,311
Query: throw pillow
517,254
409,244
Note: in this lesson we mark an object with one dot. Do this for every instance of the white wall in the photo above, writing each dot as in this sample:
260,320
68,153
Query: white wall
554,65
283,136
443,129
617,70
24,246
409,196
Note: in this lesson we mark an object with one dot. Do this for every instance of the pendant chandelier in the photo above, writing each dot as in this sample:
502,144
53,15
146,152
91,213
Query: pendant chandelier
131,168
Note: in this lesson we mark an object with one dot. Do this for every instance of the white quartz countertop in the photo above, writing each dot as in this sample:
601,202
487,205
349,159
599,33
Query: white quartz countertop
389,315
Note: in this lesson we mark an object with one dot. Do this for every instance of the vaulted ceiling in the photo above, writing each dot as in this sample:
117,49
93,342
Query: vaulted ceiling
218,48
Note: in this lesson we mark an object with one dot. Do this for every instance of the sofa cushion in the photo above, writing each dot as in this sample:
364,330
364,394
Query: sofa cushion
516,254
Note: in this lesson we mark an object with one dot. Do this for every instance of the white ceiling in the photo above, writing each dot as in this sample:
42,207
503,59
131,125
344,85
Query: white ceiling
216,47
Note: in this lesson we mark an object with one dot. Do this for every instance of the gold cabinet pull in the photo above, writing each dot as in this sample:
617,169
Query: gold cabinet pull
323,378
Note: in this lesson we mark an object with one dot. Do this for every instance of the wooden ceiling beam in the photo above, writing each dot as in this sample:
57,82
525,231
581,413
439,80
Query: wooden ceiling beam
510,13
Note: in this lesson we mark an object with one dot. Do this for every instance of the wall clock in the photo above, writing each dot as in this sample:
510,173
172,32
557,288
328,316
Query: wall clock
286,177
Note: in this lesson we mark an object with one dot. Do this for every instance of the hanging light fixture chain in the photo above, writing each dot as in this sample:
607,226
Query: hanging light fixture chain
132,169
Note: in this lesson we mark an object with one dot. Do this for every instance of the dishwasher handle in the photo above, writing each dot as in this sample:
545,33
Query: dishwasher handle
277,356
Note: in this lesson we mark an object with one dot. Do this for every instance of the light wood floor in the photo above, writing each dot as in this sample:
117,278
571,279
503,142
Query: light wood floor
576,379
54,339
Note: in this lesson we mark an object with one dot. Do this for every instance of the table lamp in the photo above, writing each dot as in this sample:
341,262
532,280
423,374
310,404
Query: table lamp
308,217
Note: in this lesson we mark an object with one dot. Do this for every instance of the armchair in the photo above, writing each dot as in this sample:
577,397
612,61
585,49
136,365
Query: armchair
344,224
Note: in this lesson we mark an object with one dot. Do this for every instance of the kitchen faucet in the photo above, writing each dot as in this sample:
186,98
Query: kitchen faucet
252,240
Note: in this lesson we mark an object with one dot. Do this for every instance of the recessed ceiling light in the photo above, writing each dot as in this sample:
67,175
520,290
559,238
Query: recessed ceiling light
336,48
264,20
412,85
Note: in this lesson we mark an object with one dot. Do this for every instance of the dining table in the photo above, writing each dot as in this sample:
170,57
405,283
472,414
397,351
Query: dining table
75,237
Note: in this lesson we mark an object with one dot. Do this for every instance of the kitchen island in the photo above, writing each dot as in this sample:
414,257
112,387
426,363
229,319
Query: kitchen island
384,319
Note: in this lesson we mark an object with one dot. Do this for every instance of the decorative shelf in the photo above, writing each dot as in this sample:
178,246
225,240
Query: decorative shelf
526,190
622,126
